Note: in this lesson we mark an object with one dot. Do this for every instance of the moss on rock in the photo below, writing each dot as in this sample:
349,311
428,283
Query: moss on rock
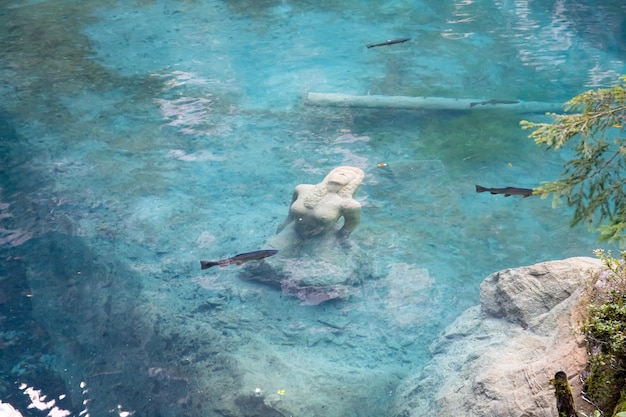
604,384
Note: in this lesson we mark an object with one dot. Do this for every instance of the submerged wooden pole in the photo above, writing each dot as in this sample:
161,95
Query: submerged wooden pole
429,103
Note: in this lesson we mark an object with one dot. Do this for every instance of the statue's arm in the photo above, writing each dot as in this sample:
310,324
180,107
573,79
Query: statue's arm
290,217
351,218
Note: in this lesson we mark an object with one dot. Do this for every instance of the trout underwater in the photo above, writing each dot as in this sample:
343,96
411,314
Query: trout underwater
388,42
507,191
493,102
240,258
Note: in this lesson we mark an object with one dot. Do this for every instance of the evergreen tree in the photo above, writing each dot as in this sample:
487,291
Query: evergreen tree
594,181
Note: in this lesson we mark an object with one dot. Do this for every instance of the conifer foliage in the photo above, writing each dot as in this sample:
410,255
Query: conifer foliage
593,181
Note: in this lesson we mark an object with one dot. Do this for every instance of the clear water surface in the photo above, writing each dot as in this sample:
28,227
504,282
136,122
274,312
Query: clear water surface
139,137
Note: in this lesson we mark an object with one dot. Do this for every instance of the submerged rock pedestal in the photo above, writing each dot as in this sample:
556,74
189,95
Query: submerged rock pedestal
497,359
321,270
316,262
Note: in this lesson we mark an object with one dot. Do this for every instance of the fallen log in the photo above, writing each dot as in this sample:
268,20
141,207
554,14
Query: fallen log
429,103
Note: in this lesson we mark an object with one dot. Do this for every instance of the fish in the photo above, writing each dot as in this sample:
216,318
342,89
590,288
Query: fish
386,171
493,102
240,258
388,42
507,191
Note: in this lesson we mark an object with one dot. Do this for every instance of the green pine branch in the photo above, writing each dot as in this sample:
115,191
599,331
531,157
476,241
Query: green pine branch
594,181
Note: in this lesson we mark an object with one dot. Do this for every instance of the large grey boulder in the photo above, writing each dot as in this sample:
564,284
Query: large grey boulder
497,359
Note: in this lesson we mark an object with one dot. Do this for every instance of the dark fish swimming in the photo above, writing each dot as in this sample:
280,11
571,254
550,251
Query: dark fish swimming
492,102
239,259
389,42
507,191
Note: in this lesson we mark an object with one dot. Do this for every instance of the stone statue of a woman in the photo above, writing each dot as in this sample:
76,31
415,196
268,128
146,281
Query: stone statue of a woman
316,209
315,262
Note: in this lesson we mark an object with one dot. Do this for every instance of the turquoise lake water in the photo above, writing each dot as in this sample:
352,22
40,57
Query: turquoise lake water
139,137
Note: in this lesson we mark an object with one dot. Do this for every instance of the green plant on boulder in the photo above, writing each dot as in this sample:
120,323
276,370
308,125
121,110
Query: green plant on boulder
605,332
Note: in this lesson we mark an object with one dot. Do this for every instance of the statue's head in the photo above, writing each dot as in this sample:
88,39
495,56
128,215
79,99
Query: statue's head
344,180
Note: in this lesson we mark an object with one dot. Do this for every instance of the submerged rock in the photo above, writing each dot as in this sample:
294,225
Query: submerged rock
321,269
497,359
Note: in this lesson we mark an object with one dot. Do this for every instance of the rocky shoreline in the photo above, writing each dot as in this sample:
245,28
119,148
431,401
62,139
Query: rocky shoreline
497,358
